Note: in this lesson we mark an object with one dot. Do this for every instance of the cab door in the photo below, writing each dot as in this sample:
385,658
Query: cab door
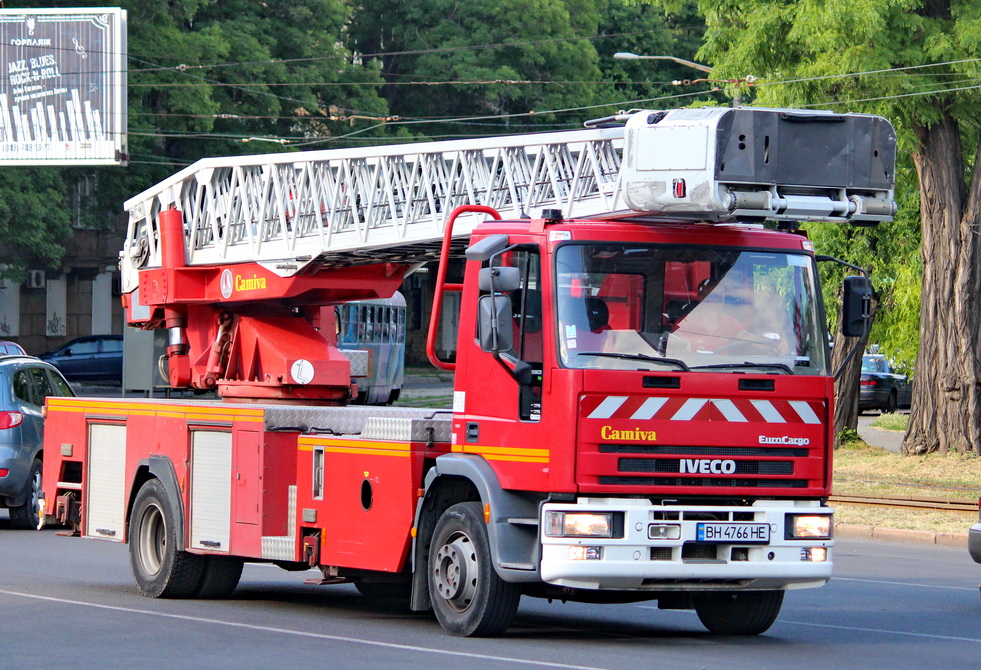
498,410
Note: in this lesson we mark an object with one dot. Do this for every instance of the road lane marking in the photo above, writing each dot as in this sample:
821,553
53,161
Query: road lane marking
297,633
852,628
925,586
859,629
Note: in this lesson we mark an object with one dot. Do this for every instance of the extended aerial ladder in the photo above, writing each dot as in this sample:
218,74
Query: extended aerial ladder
287,229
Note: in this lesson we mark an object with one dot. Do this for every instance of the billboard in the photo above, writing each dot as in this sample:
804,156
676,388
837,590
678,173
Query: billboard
63,86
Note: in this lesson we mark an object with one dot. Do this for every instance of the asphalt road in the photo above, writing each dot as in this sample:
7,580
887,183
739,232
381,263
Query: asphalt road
71,602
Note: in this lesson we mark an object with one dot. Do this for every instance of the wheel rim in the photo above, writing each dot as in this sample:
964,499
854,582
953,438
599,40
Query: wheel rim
455,572
152,541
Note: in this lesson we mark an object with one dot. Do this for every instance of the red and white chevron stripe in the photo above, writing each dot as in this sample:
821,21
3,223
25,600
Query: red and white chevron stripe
739,410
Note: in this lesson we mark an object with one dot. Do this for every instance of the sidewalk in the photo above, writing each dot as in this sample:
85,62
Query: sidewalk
890,440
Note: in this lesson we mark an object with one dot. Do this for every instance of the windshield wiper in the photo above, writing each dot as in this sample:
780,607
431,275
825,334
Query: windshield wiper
747,364
636,357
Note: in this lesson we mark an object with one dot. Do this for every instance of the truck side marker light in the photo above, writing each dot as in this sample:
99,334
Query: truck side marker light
486,512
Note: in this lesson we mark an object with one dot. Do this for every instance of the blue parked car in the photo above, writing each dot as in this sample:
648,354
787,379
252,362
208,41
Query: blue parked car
93,358
25,382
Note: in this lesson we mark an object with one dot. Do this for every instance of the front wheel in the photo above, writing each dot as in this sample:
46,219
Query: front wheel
469,597
159,568
30,515
738,613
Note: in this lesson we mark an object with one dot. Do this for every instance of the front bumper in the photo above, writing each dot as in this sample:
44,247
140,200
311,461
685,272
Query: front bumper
635,562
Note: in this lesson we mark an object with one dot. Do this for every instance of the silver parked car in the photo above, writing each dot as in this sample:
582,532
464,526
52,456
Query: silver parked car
25,382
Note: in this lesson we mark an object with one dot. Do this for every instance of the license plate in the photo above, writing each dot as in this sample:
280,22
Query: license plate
742,533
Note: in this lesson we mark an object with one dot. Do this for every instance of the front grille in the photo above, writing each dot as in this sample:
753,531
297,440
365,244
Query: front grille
674,465
775,452
660,553
704,481
693,551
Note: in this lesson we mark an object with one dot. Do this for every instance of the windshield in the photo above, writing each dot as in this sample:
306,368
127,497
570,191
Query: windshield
706,309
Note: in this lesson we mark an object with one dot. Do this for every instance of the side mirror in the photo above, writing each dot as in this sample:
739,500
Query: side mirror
499,279
494,323
855,306
68,352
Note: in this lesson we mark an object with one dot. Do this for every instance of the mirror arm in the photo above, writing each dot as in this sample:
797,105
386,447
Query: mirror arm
865,330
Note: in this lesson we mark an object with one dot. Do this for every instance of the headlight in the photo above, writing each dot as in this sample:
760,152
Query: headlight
578,524
808,527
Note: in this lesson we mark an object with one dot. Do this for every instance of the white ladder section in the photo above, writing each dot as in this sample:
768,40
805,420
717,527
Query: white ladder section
286,210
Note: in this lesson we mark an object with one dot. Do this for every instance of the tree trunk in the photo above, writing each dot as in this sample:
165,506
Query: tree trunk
946,412
847,385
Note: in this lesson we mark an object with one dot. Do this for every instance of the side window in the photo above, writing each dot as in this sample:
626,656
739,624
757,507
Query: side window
87,347
59,386
526,305
112,345
42,387
22,386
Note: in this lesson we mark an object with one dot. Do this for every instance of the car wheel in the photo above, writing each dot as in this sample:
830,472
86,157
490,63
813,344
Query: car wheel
29,516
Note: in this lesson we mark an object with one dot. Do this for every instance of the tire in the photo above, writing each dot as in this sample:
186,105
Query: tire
159,568
738,613
395,592
29,515
221,576
469,597
891,404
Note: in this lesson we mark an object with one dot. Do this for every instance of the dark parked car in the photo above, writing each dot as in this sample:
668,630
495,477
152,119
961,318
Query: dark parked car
974,538
93,358
25,382
881,388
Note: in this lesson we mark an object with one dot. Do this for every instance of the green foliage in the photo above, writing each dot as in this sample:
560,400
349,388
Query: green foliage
204,77
891,422
34,219
463,58
874,56
848,438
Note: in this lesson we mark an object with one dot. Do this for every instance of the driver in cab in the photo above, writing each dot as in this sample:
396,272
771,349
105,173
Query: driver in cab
718,323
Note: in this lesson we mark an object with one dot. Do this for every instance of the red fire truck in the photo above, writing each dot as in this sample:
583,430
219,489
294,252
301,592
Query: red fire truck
642,400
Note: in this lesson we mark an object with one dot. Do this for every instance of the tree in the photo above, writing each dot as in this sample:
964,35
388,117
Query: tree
443,59
204,77
34,219
910,56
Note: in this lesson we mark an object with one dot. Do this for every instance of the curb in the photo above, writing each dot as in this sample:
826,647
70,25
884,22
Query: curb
853,530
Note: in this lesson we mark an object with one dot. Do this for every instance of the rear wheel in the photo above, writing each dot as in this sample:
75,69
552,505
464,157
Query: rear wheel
159,568
393,591
468,596
738,613
30,515
221,576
